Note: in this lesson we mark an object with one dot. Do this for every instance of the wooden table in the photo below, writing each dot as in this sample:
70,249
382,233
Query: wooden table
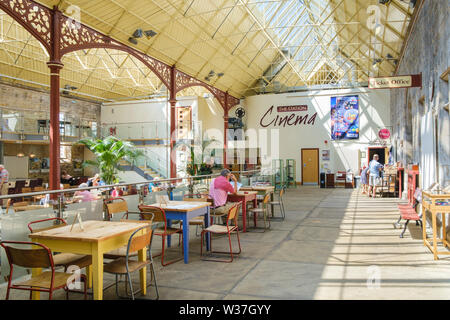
185,210
244,197
29,207
429,202
97,238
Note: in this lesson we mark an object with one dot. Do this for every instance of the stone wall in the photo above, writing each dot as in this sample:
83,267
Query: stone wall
30,100
39,101
426,53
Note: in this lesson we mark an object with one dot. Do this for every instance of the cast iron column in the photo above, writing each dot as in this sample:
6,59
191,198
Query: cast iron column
225,131
173,102
55,66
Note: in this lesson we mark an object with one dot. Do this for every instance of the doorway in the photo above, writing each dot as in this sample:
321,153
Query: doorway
310,166
383,154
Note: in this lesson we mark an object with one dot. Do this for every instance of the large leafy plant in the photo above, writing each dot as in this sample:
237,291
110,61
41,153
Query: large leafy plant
109,152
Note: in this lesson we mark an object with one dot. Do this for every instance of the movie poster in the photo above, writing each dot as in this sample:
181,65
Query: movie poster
344,118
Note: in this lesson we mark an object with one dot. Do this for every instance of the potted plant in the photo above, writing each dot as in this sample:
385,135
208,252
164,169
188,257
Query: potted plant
109,152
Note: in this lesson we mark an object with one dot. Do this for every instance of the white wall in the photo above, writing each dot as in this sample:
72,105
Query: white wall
374,110
134,111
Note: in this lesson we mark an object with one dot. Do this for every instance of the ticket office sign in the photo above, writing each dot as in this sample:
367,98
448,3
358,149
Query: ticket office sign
407,81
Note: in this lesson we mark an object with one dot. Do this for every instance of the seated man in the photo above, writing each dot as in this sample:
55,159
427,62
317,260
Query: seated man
219,189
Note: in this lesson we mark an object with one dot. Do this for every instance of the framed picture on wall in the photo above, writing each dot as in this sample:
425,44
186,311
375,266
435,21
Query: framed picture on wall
325,155
45,164
345,118
34,165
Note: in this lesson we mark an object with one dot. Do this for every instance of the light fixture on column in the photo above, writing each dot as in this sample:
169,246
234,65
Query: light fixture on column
150,33
133,40
376,63
138,33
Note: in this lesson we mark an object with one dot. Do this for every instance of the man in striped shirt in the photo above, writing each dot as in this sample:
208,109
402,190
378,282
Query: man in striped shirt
4,177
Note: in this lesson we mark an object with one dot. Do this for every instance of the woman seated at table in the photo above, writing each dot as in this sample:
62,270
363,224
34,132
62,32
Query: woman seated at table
66,178
83,196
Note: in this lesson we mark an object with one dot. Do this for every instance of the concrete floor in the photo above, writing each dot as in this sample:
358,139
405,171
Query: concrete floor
334,244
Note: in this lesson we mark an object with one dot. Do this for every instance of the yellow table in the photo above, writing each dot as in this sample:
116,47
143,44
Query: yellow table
97,238
429,202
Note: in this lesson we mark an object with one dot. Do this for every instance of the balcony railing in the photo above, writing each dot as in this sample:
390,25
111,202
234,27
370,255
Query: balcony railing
34,125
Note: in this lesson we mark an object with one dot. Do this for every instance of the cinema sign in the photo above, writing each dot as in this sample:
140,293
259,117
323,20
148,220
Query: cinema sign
409,81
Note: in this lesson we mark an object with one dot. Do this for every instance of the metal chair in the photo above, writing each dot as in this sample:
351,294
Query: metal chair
160,216
125,266
63,259
262,209
117,206
200,220
42,257
279,203
228,229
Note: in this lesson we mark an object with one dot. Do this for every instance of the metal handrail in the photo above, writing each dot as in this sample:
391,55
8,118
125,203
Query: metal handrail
30,194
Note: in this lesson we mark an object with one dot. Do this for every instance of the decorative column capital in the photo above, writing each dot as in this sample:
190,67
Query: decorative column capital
55,65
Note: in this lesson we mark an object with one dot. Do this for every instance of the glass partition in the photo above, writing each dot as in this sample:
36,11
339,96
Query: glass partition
89,203
14,227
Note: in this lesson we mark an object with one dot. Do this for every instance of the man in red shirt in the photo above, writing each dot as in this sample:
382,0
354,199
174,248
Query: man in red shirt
219,189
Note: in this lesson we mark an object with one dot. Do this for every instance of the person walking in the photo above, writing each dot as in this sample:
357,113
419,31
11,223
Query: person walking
364,180
4,186
374,169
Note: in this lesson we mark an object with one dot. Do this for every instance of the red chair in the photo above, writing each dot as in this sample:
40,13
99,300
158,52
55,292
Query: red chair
48,281
63,259
160,216
228,229
408,212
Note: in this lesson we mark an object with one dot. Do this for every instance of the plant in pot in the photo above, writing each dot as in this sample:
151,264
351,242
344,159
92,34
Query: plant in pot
109,152
193,167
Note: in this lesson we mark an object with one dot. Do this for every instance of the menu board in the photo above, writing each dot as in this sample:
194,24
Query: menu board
345,118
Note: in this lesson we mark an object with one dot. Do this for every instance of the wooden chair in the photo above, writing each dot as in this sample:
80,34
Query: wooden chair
197,221
159,215
263,209
62,259
228,229
19,185
27,190
280,203
48,281
125,266
117,206
33,183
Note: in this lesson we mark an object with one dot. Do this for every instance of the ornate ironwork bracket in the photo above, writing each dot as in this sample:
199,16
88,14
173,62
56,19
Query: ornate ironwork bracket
74,36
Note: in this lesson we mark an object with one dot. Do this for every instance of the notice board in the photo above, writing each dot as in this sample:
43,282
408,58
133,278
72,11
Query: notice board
17,167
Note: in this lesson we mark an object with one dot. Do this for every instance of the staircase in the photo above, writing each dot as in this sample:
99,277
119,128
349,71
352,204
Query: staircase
149,166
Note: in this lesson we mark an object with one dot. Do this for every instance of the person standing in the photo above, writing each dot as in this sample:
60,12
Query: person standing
4,186
374,169
364,180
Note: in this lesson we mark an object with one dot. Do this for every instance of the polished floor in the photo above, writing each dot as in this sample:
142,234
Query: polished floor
334,244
